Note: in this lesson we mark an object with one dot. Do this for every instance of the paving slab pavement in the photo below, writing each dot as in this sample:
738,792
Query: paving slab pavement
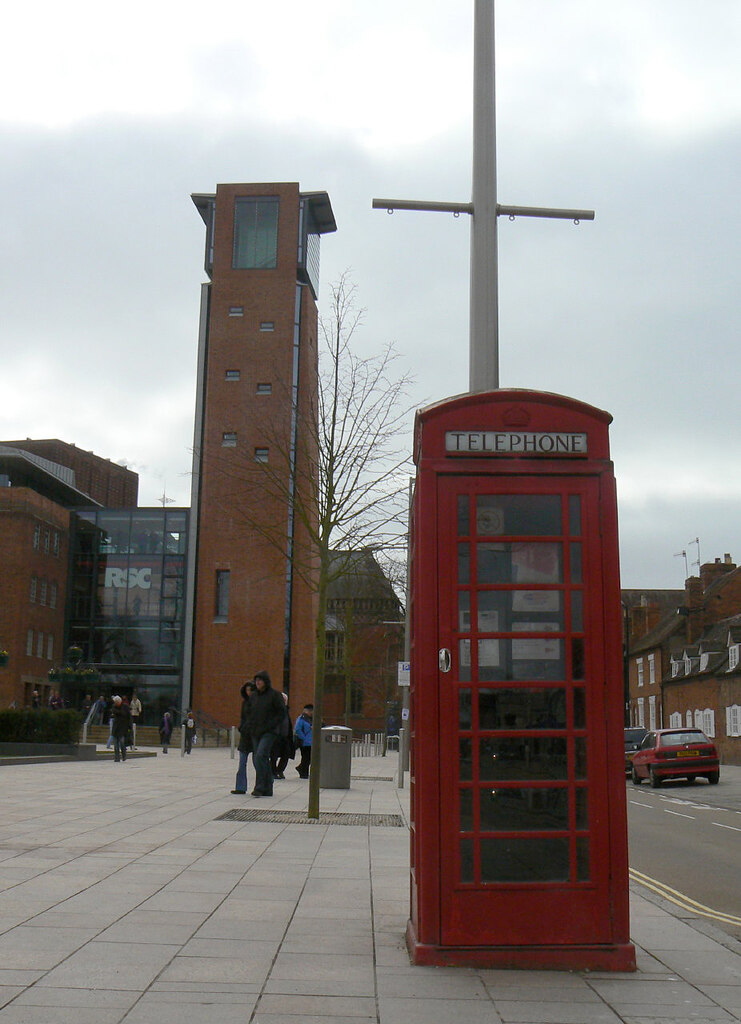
126,898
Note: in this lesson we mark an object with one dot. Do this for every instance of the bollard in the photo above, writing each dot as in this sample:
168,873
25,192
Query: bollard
182,740
232,740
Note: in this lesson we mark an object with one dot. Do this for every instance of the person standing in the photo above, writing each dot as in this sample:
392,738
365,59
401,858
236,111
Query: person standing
283,747
165,730
136,709
302,735
120,728
245,740
190,731
266,714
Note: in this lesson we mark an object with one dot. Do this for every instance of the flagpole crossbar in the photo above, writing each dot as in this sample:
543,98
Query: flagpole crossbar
502,211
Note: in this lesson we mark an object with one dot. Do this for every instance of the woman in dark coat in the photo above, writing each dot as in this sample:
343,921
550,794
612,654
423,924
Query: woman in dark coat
245,740
166,730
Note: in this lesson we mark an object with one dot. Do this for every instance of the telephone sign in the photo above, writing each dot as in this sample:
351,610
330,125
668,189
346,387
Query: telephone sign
519,848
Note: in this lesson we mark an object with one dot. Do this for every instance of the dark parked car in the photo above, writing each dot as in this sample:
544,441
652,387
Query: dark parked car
634,736
673,754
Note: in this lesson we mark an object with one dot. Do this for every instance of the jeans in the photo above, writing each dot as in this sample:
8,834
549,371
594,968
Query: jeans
119,748
241,783
261,751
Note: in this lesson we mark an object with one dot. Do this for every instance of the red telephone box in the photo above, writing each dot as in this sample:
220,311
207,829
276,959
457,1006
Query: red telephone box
519,845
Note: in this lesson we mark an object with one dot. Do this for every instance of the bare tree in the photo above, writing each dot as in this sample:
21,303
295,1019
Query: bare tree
344,474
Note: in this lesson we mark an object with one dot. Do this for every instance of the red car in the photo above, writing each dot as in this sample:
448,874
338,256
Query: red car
675,754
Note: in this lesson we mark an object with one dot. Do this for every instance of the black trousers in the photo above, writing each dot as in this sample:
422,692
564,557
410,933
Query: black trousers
303,768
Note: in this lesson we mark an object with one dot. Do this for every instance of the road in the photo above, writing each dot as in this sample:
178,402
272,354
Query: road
685,845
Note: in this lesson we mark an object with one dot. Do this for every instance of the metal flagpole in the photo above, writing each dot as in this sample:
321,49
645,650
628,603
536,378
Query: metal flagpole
484,210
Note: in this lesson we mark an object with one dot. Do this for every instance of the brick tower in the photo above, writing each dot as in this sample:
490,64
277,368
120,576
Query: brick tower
250,608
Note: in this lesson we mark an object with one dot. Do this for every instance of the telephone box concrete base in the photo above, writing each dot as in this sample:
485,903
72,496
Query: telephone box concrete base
620,957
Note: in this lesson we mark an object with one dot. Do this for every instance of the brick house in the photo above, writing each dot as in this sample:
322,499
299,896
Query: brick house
685,668
364,642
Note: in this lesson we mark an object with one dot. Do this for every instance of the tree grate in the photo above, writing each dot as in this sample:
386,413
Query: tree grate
373,778
325,818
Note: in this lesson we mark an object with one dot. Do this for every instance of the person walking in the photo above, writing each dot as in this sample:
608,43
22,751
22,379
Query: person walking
266,714
245,740
165,730
190,731
120,728
302,735
283,747
136,709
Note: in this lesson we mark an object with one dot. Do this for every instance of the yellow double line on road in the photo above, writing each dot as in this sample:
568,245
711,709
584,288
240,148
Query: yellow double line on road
680,900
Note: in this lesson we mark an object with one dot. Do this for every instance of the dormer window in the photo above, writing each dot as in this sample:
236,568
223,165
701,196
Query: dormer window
733,657
675,668
704,659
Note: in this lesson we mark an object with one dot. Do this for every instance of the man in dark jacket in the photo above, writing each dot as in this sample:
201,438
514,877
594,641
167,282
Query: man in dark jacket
266,715
120,728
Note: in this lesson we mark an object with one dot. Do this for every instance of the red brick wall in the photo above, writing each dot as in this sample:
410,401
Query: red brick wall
713,692
21,510
112,485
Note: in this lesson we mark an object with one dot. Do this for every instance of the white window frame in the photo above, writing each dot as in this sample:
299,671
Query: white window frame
651,669
641,713
688,719
652,713
675,720
698,718
232,374
229,439
639,670
733,720
675,668
708,722
262,455
732,657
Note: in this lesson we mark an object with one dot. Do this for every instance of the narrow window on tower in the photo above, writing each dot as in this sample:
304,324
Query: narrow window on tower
267,325
236,311
232,375
264,389
221,610
229,439
255,234
261,454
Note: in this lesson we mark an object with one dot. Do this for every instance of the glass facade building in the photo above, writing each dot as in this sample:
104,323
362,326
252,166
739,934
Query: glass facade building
126,607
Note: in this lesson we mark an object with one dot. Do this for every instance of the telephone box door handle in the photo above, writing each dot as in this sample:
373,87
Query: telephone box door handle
443,659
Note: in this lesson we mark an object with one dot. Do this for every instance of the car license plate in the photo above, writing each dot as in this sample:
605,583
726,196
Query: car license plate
688,753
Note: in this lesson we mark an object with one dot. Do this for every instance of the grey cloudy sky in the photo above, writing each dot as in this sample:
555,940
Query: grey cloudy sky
110,118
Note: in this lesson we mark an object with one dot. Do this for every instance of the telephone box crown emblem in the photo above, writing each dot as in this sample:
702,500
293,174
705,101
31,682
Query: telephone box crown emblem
516,416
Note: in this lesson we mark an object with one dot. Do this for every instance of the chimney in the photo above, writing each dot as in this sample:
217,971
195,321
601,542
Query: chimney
693,599
643,618
711,571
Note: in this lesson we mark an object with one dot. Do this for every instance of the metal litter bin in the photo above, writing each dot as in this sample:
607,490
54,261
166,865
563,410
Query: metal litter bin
336,757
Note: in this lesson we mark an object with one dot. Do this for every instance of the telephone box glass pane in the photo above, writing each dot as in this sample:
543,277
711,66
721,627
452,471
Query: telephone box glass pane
466,860
575,515
518,515
522,708
464,661
492,611
464,709
523,758
525,860
524,810
466,824
463,516
465,760
577,658
580,757
577,611
576,563
464,611
582,820
580,708
464,563
521,562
